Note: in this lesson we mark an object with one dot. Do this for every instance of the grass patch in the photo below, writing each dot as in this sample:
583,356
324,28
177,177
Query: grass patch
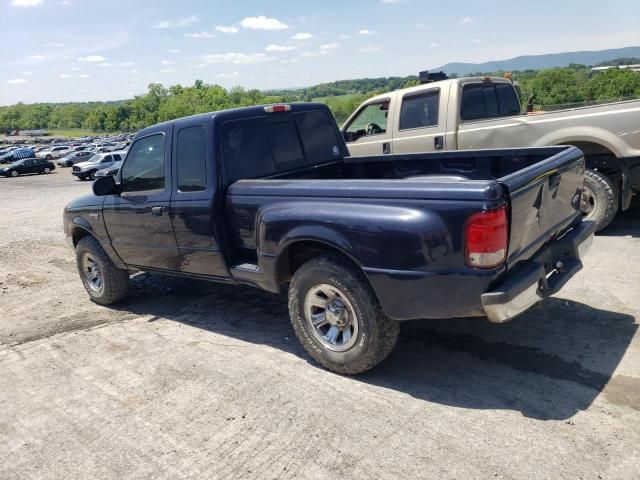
324,99
75,132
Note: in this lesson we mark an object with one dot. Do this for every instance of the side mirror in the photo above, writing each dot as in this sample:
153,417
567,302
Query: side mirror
105,186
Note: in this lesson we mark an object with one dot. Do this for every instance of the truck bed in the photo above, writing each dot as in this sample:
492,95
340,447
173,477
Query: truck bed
542,186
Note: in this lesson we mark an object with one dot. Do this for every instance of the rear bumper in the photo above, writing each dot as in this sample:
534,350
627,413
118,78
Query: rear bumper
541,276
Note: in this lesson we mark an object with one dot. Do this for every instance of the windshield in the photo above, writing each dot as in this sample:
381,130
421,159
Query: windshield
94,158
16,163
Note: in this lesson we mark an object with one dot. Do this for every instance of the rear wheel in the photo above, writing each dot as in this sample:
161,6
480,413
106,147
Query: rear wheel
104,282
14,173
47,170
599,199
337,317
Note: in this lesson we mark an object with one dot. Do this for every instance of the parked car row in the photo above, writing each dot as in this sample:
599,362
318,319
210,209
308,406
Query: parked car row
88,154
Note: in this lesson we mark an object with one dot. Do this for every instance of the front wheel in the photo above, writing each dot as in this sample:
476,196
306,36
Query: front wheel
337,317
49,157
14,173
104,282
599,199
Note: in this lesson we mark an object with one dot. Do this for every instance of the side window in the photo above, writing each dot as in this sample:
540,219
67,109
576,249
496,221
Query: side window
107,159
191,159
488,101
419,111
371,120
144,168
117,158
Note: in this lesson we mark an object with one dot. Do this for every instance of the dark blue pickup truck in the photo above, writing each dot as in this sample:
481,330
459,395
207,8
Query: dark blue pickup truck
267,196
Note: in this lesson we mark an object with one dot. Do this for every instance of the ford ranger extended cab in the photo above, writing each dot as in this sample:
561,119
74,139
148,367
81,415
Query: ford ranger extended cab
266,196
484,112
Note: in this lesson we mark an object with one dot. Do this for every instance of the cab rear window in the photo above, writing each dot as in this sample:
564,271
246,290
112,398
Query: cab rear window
264,146
488,100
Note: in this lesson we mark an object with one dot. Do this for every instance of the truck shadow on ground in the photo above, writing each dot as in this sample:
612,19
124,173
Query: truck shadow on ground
548,364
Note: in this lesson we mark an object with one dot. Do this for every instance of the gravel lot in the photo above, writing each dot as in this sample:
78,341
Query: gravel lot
189,379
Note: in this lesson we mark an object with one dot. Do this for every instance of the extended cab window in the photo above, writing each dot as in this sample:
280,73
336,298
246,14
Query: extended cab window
144,168
191,159
488,100
371,120
419,110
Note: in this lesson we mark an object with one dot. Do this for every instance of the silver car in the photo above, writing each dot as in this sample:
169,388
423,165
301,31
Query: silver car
99,161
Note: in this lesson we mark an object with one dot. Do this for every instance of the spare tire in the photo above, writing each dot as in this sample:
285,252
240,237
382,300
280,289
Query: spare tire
599,199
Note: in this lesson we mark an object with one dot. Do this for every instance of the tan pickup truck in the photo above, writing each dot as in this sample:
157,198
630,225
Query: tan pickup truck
485,112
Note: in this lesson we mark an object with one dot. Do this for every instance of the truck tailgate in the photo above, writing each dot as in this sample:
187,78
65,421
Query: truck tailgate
544,201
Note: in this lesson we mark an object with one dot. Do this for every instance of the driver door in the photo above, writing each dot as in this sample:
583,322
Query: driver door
138,219
369,130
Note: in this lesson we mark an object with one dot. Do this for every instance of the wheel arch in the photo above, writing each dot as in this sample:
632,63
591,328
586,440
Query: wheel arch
299,251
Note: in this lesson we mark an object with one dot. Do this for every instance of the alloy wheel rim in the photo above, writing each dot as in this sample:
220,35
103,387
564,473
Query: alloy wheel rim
92,273
331,317
588,202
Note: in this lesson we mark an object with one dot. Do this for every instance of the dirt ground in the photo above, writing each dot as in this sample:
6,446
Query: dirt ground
197,380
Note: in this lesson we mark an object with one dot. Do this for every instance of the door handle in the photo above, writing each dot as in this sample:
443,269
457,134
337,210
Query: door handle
386,148
157,211
438,142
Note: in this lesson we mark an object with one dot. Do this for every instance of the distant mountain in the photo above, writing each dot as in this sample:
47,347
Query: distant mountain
538,62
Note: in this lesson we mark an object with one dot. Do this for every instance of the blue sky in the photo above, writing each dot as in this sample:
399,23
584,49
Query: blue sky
76,50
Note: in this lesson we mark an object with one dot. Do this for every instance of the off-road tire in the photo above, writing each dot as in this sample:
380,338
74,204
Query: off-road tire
377,333
605,199
116,281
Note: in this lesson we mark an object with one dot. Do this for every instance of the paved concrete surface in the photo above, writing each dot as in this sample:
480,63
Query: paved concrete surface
194,380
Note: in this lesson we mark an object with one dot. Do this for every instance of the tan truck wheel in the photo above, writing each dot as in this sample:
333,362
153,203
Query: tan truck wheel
599,199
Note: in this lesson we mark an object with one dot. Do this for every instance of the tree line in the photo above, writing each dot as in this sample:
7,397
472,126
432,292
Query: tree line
576,84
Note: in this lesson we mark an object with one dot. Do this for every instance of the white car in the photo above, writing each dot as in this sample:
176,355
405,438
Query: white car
99,161
54,152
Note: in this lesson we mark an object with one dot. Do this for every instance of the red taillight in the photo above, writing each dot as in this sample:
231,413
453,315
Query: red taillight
486,237
277,108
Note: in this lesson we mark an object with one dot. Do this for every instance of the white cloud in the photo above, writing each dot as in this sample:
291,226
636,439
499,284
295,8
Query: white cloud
173,50
25,3
236,58
302,36
344,36
476,40
200,35
167,62
64,75
229,75
26,73
83,75
433,44
391,1
104,65
329,46
365,31
466,20
279,48
182,22
53,45
16,81
263,23
227,29
167,70
37,57
371,49
65,2
92,58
